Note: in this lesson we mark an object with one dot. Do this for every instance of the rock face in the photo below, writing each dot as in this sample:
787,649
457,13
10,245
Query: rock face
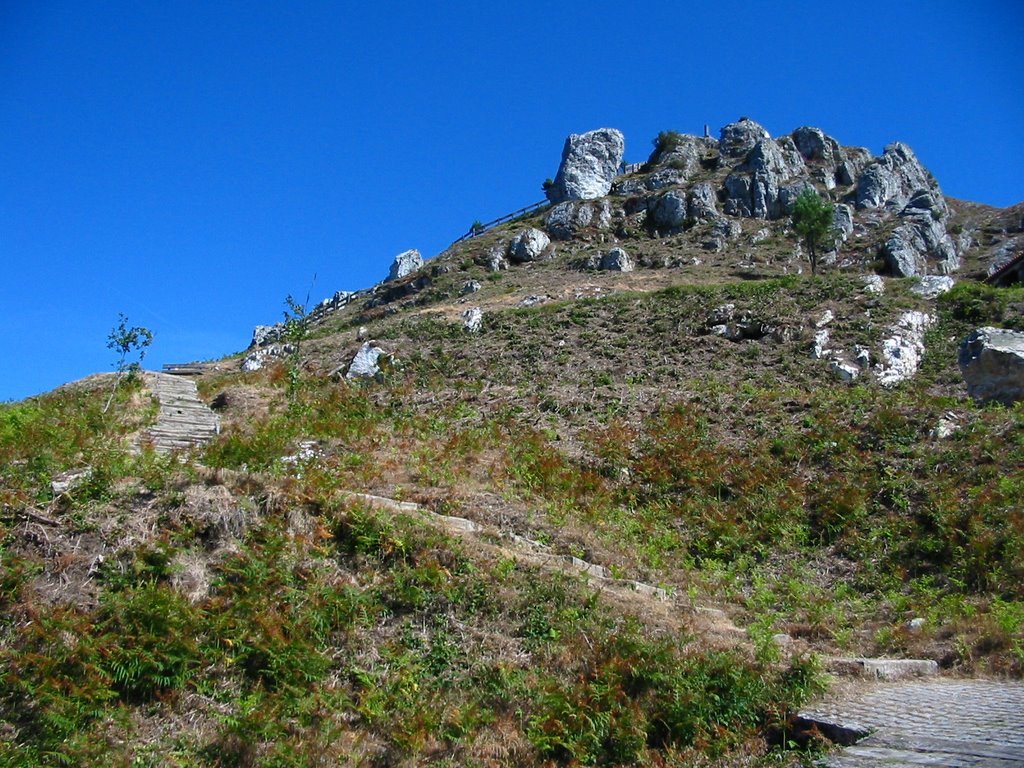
568,219
893,179
528,245
405,263
756,188
669,210
589,164
703,202
842,221
737,139
992,364
683,155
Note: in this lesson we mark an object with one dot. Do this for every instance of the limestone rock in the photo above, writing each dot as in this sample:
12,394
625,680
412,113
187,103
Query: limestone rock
893,179
931,286
567,219
843,370
820,347
815,146
917,240
473,319
589,164
617,260
702,202
669,210
649,182
495,259
365,364
903,349
842,221
405,263
849,170
532,300
992,363
470,286
66,481
684,155
256,359
753,189
528,245
265,334
737,139
873,284
721,315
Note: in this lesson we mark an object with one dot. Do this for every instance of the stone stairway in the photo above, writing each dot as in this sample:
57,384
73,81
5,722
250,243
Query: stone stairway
184,420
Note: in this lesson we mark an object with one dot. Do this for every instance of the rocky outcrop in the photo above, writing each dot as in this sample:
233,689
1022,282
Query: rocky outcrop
992,363
589,164
897,182
265,334
669,210
893,179
404,264
903,349
684,154
566,220
920,238
528,245
627,186
737,139
255,360
826,159
842,221
756,188
702,202
494,258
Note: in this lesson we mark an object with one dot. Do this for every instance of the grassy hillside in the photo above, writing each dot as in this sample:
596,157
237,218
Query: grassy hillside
238,605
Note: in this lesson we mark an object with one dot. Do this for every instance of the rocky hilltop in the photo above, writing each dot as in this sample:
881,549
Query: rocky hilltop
614,480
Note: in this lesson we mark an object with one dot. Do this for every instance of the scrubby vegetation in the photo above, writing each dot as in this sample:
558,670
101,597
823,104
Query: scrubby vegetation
242,605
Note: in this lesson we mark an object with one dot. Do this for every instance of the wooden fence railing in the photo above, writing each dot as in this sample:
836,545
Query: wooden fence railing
479,229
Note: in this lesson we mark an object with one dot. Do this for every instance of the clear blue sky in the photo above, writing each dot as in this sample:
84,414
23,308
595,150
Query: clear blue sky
192,163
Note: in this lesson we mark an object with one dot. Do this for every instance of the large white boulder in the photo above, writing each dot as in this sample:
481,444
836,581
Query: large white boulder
365,363
404,264
589,164
528,245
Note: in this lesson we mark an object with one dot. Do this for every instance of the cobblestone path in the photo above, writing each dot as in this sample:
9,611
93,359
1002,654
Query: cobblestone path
950,723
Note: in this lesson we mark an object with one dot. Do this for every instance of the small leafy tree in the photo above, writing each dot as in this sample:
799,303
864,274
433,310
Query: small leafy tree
812,220
296,326
125,341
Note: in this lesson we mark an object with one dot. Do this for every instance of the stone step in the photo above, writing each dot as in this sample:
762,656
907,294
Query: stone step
882,669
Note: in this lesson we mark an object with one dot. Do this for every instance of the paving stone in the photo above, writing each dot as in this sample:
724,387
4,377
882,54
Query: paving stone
949,723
